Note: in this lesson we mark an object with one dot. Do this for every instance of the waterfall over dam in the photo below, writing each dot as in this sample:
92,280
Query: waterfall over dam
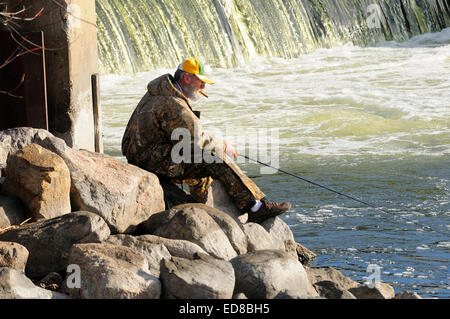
140,35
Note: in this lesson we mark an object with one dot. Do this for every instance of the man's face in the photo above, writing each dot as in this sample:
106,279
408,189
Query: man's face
192,87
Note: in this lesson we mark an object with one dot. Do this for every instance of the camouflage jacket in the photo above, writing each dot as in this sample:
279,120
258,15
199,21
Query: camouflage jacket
147,141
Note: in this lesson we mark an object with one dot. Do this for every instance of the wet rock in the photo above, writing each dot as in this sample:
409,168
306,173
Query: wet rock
154,253
111,272
41,179
259,239
264,274
194,224
379,291
11,211
203,277
49,240
331,290
13,255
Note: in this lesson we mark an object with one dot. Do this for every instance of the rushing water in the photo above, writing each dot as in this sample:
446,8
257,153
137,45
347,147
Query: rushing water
370,122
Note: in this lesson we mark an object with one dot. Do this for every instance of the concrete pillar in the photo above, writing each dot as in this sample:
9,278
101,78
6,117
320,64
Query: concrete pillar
71,58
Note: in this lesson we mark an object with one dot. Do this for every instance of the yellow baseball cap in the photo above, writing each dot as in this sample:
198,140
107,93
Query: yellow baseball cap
194,66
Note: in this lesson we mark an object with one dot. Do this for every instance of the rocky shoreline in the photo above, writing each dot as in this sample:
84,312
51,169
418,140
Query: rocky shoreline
78,224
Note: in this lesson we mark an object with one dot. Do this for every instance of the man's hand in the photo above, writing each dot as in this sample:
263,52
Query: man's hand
230,151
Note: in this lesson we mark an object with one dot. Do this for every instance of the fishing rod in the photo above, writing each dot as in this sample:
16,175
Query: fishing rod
331,190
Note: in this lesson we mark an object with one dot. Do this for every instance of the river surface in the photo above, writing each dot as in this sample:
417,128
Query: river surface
372,123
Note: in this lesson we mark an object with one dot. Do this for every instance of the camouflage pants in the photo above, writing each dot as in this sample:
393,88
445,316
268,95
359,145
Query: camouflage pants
239,186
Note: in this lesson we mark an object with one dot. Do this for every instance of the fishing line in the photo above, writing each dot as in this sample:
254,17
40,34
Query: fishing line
335,191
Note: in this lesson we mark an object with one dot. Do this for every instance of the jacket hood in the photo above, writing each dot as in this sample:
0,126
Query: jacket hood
163,86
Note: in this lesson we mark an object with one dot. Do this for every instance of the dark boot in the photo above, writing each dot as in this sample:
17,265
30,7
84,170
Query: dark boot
268,210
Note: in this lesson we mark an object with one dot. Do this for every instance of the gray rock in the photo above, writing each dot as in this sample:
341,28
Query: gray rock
154,253
331,290
229,225
379,291
304,255
196,225
41,179
219,199
111,272
15,285
176,247
330,274
407,295
278,228
13,255
5,147
259,239
49,241
14,139
263,274
203,277
11,211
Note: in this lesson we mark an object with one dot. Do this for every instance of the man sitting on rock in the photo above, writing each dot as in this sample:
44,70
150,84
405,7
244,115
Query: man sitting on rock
164,119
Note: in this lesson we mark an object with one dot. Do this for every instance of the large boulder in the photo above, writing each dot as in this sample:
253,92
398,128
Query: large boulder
263,274
259,239
14,285
191,222
41,179
11,211
203,277
230,226
330,274
49,240
13,255
331,290
154,253
176,247
110,272
407,295
379,291
122,194
276,227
